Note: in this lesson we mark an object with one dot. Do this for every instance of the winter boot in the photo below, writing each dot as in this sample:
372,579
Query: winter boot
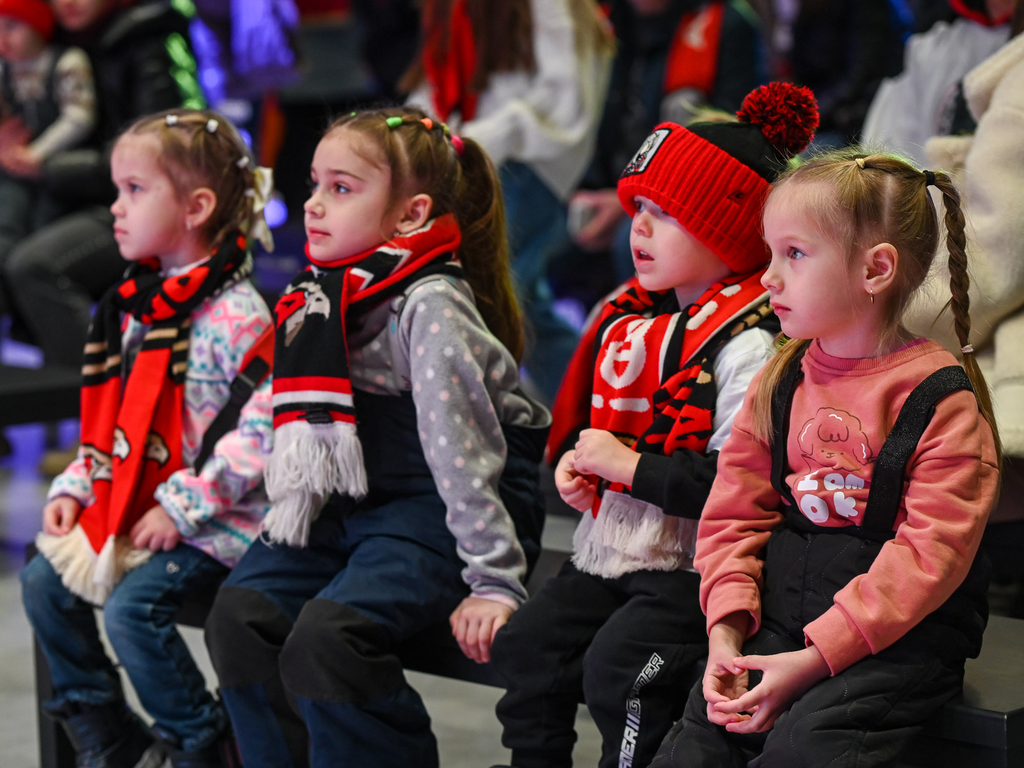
222,753
108,736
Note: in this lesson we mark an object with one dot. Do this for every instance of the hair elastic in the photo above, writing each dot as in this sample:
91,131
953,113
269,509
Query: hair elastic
211,125
458,145
929,178
860,163
243,162
393,122
171,120
967,349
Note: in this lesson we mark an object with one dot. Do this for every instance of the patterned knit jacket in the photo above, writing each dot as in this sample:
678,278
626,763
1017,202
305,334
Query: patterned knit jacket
218,512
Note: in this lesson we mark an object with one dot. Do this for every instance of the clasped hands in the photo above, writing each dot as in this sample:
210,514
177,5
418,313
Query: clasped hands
726,684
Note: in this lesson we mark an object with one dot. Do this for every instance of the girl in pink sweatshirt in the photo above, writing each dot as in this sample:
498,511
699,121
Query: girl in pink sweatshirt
837,548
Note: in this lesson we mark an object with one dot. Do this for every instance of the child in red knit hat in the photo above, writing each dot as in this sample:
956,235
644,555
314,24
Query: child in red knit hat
47,104
655,385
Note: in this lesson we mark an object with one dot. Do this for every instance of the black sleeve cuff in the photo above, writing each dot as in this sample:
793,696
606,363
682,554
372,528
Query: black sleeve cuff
679,483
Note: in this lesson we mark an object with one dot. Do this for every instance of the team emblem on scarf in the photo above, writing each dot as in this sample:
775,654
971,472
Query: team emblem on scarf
316,448
651,381
131,434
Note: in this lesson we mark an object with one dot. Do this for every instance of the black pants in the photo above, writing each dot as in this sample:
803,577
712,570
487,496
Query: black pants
628,646
54,275
864,716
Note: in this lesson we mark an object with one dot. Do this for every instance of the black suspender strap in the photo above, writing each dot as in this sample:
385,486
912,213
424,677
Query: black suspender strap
782,404
256,366
890,467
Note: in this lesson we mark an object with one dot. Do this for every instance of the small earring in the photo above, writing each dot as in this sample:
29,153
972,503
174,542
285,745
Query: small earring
188,225
872,293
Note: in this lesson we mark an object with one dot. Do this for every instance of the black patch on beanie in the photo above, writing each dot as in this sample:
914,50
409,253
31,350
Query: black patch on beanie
746,143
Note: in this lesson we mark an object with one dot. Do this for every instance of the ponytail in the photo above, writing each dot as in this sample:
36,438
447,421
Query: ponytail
960,300
480,211
879,198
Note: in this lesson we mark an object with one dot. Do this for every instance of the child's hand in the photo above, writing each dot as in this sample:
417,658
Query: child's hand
155,531
604,214
474,624
599,452
59,515
17,160
787,676
723,681
577,491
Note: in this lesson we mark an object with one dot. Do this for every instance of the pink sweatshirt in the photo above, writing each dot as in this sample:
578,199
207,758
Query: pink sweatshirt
842,411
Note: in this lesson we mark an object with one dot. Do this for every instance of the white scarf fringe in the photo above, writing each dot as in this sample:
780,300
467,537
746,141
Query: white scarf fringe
89,575
309,462
631,535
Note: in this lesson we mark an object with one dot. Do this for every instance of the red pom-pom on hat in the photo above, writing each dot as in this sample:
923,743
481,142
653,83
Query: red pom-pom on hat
787,115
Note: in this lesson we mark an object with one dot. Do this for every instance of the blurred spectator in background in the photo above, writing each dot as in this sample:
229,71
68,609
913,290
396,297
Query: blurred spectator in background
142,63
988,167
391,38
926,98
47,105
840,49
527,80
672,58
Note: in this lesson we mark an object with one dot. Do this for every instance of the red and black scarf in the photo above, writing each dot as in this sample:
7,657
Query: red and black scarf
693,55
450,61
131,429
651,380
316,448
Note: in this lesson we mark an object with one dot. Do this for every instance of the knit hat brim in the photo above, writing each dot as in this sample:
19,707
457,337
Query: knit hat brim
715,196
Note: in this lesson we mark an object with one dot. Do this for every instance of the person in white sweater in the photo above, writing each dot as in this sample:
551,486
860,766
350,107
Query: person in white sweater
989,166
527,81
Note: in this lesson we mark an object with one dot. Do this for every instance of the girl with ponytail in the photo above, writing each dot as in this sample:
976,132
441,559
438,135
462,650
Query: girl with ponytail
838,546
403,479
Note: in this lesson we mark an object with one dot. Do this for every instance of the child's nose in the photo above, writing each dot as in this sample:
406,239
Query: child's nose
770,279
642,223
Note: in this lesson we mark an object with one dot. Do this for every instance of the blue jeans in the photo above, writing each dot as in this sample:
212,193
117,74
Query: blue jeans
317,627
139,617
536,232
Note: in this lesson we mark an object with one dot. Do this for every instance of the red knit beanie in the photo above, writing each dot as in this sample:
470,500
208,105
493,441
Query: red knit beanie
713,178
36,13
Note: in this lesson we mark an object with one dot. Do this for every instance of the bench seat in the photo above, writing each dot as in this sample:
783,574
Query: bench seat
982,728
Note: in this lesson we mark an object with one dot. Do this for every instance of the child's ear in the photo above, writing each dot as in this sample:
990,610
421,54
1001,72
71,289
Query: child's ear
881,263
415,213
201,205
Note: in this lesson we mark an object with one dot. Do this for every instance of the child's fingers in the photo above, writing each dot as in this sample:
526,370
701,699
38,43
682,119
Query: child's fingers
761,721
483,640
749,662
748,702
723,718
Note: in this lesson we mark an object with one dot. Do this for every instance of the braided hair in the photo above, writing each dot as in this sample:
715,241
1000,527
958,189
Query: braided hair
878,198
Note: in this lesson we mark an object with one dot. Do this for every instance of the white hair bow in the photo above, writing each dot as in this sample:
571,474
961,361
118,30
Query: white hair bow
263,187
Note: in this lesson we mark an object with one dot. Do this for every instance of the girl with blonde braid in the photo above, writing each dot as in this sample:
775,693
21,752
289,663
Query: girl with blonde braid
838,546
148,513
